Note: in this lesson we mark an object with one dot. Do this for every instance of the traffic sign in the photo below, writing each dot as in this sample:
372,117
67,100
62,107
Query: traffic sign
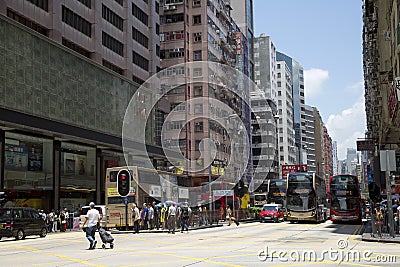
222,193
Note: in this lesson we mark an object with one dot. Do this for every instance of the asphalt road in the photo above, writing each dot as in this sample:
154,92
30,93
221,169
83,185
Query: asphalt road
250,244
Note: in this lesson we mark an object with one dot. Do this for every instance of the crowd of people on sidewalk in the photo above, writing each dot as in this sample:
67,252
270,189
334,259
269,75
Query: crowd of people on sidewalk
58,221
170,216
381,218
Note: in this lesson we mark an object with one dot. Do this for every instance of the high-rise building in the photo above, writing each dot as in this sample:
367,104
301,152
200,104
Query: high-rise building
265,66
327,154
242,14
286,133
351,161
263,104
196,31
120,35
335,164
298,102
309,137
319,143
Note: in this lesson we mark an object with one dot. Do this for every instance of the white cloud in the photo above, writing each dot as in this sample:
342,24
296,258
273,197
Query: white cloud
356,86
313,80
345,128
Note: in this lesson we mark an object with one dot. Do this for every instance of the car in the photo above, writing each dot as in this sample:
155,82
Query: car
20,222
272,212
102,211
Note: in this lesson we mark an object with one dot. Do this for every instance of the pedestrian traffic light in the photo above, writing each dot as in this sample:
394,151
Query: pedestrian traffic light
123,182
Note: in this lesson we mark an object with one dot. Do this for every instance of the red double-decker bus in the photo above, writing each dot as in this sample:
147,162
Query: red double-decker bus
345,200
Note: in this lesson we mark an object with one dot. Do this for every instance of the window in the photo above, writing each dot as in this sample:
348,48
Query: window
140,14
279,93
279,84
157,50
279,75
196,3
197,37
198,108
197,72
140,61
76,21
120,2
198,127
197,55
157,7
140,37
113,44
279,66
113,18
87,3
196,19
172,18
76,48
172,53
28,23
157,28
198,90
43,4
113,67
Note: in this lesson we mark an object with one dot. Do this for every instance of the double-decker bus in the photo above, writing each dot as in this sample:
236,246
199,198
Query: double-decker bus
344,198
305,197
276,191
260,195
146,186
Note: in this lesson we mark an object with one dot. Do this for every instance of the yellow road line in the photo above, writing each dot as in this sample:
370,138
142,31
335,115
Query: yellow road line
199,259
59,256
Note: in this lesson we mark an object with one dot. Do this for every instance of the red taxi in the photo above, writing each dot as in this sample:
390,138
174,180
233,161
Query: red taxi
272,212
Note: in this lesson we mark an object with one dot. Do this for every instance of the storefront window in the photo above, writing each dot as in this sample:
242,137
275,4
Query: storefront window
78,175
28,162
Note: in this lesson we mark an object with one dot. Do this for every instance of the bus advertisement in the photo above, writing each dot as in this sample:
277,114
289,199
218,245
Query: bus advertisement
305,197
344,198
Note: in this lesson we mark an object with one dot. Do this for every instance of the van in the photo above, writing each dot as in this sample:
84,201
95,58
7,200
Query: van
20,222
102,211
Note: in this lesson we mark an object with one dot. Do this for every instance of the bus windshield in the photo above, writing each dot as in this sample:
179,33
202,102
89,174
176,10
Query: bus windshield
301,194
344,193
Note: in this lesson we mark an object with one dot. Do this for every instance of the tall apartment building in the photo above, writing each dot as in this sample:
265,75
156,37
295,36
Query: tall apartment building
309,138
264,137
286,133
328,154
335,161
242,14
351,161
298,102
203,31
319,143
121,35
264,106
265,71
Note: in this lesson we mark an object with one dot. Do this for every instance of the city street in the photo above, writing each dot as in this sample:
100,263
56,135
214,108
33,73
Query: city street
246,245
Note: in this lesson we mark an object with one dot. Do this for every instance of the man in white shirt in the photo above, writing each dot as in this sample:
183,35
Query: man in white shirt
92,218
136,218
171,218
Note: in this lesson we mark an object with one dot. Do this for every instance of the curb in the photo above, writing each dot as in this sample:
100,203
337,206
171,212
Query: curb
368,238
162,231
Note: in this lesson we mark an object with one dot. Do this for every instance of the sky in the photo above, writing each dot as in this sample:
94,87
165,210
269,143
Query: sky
325,37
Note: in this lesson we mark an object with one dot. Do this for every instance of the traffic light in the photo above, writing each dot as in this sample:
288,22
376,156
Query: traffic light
123,182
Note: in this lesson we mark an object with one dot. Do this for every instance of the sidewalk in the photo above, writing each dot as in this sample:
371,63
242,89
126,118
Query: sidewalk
220,224
385,238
